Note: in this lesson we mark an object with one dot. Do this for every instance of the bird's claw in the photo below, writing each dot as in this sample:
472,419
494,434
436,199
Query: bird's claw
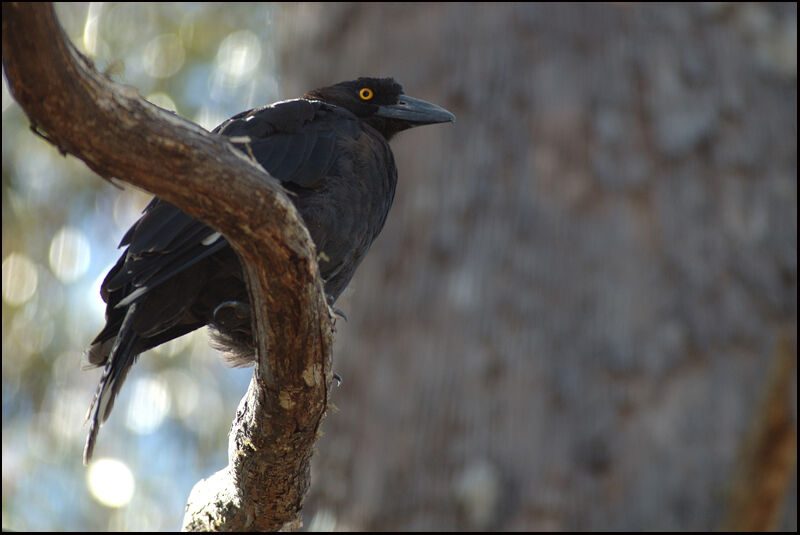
332,310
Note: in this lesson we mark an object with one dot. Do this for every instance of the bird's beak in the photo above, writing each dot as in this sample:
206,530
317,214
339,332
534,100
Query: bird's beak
415,111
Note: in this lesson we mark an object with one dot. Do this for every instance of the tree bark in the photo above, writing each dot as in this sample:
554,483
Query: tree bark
570,313
119,134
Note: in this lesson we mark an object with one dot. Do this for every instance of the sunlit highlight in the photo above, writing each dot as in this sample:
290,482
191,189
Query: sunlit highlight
19,279
69,254
149,405
110,482
90,29
164,56
239,55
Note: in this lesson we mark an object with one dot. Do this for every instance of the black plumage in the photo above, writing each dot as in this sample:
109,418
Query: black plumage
330,150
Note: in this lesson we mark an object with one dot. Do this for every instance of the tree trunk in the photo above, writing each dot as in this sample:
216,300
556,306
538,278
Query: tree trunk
568,320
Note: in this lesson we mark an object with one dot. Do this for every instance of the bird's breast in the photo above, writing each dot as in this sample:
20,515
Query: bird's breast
348,208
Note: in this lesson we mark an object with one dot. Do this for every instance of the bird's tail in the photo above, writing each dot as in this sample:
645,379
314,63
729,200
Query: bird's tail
118,364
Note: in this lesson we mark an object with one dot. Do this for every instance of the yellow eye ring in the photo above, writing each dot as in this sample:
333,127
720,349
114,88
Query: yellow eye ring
366,93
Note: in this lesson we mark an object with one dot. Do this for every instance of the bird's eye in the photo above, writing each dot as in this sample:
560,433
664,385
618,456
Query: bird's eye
365,93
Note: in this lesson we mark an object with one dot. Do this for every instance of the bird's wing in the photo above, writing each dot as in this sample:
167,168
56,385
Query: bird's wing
293,140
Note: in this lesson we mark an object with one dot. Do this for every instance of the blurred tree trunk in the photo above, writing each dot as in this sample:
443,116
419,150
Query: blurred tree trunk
568,319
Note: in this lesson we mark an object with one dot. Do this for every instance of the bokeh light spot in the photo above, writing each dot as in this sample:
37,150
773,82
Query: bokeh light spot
110,482
238,56
164,56
149,405
69,254
184,389
90,29
19,279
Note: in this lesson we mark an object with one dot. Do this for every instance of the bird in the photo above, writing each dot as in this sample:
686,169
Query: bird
330,151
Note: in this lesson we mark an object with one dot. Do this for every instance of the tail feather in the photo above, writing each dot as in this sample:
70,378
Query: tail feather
118,364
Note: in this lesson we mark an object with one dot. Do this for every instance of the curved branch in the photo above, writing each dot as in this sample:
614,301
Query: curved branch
119,134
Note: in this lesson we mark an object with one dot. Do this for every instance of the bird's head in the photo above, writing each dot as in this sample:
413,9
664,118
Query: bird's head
380,102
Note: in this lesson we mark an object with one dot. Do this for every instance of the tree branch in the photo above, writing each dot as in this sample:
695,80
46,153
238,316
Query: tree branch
119,134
